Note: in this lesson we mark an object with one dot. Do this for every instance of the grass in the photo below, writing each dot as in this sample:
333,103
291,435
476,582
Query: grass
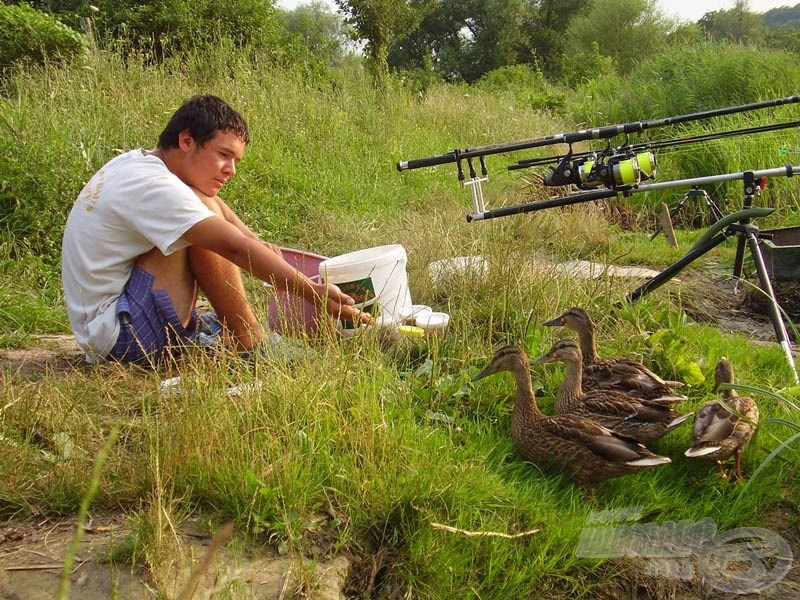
367,449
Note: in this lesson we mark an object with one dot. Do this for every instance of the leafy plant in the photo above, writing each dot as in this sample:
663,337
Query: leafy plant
30,36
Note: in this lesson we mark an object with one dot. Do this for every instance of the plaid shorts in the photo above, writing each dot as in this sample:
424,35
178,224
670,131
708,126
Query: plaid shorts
149,327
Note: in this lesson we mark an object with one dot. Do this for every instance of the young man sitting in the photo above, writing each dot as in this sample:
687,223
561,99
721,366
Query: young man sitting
149,230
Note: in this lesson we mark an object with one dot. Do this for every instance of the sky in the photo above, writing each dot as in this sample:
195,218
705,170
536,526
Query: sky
693,10
686,10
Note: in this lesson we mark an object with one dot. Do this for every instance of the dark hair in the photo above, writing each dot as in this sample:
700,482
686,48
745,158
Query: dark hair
203,116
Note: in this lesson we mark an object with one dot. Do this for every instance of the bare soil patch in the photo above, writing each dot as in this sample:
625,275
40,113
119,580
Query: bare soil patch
33,553
712,296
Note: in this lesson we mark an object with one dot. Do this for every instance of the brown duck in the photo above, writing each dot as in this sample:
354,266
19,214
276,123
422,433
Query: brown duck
639,418
619,373
583,449
723,427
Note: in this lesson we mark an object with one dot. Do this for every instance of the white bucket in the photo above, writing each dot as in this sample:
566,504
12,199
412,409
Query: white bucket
375,277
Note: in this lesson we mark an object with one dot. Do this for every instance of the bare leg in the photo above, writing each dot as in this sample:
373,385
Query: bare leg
222,283
172,274
721,469
181,273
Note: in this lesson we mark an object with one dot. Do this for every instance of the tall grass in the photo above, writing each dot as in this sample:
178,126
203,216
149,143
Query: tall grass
366,447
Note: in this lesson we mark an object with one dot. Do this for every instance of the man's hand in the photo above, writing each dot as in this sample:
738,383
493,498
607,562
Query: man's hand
341,306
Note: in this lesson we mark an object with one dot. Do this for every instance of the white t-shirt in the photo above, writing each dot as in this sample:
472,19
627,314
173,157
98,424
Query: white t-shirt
132,204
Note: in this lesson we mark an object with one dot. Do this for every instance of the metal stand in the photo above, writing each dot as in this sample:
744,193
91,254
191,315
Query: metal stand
695,192
737,224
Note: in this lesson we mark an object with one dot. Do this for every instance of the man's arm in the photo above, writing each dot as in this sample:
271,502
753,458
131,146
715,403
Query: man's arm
223,237
218,205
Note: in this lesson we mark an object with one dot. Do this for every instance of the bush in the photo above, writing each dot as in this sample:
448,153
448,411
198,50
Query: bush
169,27
530,88
29,35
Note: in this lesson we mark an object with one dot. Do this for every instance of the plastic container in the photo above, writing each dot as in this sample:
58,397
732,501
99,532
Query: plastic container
375,277
409,315
434,323
781,250
290,314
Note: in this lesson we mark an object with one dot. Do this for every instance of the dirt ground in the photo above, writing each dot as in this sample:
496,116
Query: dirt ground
32,553
32,557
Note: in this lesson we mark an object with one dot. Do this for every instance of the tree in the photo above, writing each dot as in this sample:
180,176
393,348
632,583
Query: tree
546,22
493,37
738,25
464,39
167,26
626,31
381,22
323,31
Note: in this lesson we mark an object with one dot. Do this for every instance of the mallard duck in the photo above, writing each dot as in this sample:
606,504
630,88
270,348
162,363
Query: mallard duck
584,449
638,418
723,427
612,373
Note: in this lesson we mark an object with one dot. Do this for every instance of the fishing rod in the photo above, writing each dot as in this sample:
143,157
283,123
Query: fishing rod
572,168
482,215
608,131
688,139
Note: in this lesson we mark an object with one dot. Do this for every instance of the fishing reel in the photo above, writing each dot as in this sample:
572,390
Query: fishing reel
617,171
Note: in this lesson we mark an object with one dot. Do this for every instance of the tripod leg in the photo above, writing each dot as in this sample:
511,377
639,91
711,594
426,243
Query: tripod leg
714,209
749,190
675,267
738,261
774,307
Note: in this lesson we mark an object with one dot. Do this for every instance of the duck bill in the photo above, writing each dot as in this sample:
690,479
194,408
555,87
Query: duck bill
557,322
542,360
487,371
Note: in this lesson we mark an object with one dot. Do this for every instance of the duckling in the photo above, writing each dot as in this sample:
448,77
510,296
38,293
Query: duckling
639,418
722,428
584,449
612,373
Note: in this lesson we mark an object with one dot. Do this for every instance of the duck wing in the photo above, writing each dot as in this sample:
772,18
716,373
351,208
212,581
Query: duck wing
612,407
576,434
714,422
631,376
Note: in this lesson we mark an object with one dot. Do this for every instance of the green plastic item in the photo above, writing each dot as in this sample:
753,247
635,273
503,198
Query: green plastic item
748,213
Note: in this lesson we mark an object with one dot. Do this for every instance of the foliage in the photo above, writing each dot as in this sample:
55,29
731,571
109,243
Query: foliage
324,32
381,22
588,65
168,27
737,25
28,35
626,31
530,87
